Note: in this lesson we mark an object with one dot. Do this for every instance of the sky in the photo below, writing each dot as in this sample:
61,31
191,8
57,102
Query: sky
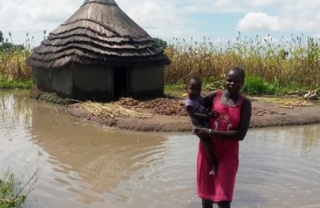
217,20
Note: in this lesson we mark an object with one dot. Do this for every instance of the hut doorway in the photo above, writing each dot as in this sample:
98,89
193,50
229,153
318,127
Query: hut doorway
120,82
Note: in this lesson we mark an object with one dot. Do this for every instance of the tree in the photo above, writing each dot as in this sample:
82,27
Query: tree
1,37
5,46
162,43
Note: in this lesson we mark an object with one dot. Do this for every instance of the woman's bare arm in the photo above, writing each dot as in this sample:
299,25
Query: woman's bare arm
208,99
238,134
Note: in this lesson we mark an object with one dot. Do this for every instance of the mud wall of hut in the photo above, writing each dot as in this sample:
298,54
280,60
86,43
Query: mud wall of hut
42,79
77,82
62,82
94,83
56,80
147,82
97,83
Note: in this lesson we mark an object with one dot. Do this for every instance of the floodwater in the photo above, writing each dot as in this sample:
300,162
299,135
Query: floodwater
80,164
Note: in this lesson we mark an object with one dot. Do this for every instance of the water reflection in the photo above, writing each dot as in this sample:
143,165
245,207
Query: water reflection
83,165
309,137
16,113
280,167
93,160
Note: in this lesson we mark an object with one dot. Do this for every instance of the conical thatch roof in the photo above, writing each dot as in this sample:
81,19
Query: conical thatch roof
99,33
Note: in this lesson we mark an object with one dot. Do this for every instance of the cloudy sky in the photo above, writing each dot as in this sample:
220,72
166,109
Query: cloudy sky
166,19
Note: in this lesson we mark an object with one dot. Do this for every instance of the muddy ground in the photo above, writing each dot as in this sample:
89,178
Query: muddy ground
169,116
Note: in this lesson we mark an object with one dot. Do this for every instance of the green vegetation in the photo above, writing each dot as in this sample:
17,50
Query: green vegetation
15,84
50,97
255,85
272,67
1,37
14,72
14,193
162,43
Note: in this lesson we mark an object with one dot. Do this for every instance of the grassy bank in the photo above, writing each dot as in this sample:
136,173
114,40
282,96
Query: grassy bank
15,84
13,194
272,66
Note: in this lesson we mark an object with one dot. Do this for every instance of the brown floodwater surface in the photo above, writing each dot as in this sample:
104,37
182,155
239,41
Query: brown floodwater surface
81,164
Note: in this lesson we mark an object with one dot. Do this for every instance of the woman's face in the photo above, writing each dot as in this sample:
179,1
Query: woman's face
234,81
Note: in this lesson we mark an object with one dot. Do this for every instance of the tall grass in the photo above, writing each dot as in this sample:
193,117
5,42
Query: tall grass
13,68
286,63
13,65
291,63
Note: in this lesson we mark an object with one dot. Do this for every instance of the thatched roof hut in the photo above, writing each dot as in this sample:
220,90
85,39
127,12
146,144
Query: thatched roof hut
100,35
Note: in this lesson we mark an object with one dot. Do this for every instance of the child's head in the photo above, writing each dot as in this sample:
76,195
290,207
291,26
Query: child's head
194,86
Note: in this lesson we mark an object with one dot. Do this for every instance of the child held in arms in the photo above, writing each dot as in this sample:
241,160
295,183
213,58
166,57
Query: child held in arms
199,115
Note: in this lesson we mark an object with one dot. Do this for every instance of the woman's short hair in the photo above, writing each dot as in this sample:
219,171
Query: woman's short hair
238,70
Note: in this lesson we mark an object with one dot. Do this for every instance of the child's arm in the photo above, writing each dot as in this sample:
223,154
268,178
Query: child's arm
192,114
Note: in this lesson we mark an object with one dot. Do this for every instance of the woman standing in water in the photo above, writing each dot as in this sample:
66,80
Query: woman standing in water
226,131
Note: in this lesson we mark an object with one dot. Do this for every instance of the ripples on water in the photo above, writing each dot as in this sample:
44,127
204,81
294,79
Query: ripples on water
84,165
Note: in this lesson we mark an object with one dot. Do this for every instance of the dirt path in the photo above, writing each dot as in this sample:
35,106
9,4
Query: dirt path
169,117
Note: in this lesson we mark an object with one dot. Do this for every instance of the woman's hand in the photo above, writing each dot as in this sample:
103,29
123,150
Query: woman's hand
214,114
201,132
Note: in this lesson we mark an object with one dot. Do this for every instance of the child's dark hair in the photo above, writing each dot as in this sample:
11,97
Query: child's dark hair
239,70
193,77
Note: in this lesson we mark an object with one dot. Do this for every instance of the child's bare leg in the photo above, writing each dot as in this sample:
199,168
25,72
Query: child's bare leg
209,150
